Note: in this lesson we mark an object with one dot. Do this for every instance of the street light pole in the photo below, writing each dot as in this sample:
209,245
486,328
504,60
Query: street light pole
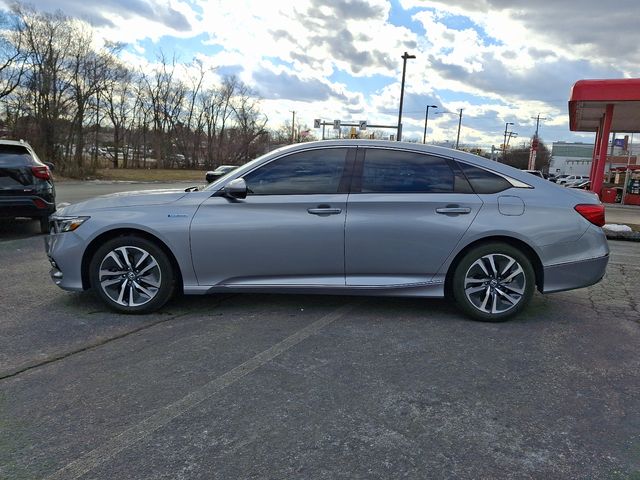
426,119
504,143
459,125
405,57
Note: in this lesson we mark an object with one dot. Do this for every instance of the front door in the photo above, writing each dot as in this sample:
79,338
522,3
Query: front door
289,230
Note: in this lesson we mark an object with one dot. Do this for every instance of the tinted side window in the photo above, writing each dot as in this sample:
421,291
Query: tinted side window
389,171
483,181
310,172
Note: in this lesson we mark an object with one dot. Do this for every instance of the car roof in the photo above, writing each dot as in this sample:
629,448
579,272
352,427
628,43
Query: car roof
15,143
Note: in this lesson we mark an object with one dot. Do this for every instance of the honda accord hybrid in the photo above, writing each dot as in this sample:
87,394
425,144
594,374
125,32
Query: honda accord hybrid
359,217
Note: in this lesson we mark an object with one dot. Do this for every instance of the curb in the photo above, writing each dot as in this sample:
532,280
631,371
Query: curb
628,236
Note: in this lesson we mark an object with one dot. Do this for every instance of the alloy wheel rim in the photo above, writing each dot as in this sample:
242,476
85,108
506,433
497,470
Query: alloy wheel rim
495,283
130,276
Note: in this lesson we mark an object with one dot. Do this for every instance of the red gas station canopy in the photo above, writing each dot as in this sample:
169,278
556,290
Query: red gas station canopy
589,99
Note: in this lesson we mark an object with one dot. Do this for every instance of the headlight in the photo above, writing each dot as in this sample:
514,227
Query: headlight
63,224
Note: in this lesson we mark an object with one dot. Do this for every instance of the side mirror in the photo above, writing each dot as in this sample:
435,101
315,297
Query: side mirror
51,166
210,176
236,188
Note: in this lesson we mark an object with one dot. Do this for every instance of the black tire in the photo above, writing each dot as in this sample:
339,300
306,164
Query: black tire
44,224
131,274
488,287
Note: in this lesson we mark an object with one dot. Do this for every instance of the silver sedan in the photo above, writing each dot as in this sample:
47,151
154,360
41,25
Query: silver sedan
339,217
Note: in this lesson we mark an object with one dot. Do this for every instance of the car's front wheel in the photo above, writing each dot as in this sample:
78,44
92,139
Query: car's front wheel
132,275
493,282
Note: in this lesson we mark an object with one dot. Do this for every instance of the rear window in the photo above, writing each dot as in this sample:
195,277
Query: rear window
483,181
15,156
390,171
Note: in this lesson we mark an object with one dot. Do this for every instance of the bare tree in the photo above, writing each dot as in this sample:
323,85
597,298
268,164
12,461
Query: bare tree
250,123
46,39
166,95
12,55
119,102
88,70
57,89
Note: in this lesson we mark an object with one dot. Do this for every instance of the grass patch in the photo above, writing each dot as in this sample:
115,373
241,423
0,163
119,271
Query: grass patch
140,175
150,175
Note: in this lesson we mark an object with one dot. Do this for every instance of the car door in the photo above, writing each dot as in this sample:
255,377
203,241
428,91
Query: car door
406,213
288,231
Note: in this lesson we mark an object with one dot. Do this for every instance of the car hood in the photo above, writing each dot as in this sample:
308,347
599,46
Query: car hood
125,199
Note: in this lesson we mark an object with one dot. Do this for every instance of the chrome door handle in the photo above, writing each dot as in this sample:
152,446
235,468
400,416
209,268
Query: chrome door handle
456,210
324,211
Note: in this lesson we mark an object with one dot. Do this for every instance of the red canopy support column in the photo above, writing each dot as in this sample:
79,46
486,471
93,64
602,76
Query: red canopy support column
596,150
596,180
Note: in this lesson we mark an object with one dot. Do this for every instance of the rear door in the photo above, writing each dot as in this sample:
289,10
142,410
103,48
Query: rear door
406,213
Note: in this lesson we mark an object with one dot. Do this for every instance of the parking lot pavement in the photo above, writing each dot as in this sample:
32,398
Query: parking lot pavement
622,214
281,386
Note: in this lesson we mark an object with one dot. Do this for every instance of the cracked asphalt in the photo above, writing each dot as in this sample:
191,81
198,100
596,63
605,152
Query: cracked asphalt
316,387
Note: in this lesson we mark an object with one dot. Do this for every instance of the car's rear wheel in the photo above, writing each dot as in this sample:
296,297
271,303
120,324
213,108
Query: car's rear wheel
132,275
44,224
493,282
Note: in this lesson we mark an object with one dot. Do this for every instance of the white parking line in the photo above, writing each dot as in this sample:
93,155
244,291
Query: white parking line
137,432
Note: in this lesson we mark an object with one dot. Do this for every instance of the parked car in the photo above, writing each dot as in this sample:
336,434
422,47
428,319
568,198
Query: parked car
213,175
584,185
26,184
572,179
557,178
355,217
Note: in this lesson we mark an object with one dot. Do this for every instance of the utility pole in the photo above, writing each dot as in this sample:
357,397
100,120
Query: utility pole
293,126
405,57
533,150
504,143
459,125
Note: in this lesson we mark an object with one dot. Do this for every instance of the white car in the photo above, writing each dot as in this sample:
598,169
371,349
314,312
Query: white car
572,180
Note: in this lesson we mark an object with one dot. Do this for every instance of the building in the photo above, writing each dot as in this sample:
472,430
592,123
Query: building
575,158
571,158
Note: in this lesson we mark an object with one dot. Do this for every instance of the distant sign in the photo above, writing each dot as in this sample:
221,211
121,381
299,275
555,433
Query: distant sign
316,123
618,142
336,124
363,124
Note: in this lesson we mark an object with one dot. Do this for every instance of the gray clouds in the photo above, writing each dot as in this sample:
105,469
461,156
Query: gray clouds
95,11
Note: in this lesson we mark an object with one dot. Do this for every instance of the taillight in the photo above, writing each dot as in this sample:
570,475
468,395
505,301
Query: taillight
41,172
593,213
39,203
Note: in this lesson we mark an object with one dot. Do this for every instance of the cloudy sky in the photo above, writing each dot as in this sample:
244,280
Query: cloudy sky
499,60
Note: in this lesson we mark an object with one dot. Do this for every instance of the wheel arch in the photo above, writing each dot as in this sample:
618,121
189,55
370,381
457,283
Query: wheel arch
121,232
531,254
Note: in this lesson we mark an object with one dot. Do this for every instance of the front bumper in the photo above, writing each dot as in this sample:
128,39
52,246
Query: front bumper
567,276
65,253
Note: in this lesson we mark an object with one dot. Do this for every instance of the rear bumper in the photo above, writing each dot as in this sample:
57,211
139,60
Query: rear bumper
11,207
567,276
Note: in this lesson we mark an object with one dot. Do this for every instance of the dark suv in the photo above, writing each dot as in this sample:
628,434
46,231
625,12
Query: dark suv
26,185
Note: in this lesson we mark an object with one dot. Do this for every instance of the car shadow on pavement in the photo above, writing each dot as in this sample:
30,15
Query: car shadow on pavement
14,229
